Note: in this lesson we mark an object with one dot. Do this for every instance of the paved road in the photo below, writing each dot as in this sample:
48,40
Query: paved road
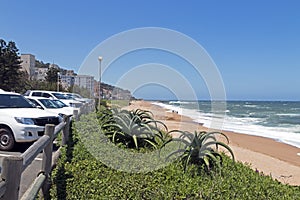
31,171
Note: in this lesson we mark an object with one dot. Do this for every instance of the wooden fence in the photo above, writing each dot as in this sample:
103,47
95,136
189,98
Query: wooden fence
13,166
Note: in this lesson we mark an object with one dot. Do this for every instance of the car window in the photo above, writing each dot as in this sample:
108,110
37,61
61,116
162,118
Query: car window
60,103
77,96
69,96
34,102
14,101
59,95
48,103
36,94
46,95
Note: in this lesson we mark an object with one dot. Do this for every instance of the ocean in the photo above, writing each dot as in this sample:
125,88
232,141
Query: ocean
279,120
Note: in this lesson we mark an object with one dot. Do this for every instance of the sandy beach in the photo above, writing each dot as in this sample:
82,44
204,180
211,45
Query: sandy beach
266,155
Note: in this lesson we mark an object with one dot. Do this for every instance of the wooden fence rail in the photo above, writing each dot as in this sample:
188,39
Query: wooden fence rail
13,166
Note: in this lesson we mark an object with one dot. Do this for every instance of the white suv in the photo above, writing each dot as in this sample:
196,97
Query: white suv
51,106
20,121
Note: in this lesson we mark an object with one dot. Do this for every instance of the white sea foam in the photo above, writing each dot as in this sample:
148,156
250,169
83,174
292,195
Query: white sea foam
246,125
288,114
169,107
179,102
250,106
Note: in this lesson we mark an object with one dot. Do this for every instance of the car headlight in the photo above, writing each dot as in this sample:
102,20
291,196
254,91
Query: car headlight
23,120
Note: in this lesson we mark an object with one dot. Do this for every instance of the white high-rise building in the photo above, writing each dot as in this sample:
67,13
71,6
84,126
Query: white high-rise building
41,73
85,81
66,81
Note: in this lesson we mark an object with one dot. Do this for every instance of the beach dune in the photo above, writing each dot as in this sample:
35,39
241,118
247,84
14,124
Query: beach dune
279,160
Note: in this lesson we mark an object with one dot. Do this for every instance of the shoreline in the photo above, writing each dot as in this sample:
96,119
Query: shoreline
267,155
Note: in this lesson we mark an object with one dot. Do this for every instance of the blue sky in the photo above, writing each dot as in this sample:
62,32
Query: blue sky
255,44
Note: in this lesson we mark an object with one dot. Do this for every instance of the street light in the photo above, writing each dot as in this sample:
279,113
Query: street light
100,59
58,81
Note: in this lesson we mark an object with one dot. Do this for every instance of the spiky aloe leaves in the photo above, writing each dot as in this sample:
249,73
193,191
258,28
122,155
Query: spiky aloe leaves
134,129
201,148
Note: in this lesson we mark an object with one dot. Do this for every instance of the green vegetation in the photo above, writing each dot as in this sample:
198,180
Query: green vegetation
11,77
200,148
134,129
84,92
81,174
118,103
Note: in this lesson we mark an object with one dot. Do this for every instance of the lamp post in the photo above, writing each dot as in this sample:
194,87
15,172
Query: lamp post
100,59
58,81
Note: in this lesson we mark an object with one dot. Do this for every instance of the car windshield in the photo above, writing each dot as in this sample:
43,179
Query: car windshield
59,96
77,96
68,96
34,102
14,101
48,103
59,103
74,95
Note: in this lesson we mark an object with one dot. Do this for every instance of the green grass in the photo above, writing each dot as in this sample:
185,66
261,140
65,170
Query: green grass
79,175
118,103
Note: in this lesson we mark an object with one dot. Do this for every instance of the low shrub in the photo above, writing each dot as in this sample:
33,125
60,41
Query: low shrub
79,175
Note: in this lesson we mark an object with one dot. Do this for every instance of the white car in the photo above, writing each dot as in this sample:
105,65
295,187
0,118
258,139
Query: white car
51,106
20,121
53,95
63,105
77,97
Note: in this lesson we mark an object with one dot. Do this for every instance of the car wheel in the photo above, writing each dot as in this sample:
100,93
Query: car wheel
7,140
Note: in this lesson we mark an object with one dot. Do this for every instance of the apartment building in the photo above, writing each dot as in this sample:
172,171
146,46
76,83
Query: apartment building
28,64
66,81
85,81
41,73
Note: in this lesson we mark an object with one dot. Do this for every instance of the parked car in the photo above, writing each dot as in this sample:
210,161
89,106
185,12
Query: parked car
53,95
20,121
77,97
51,106
63,105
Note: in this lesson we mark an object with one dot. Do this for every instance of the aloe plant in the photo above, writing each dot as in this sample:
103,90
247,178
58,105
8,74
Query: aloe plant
201,148
134,129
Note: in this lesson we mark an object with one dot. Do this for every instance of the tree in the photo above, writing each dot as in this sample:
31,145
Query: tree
52,79
41,64
52,75
11,77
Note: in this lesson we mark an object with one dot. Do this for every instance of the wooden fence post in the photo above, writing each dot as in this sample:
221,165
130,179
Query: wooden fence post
75,114
65,132
92,106
12,168
82,109
47,159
